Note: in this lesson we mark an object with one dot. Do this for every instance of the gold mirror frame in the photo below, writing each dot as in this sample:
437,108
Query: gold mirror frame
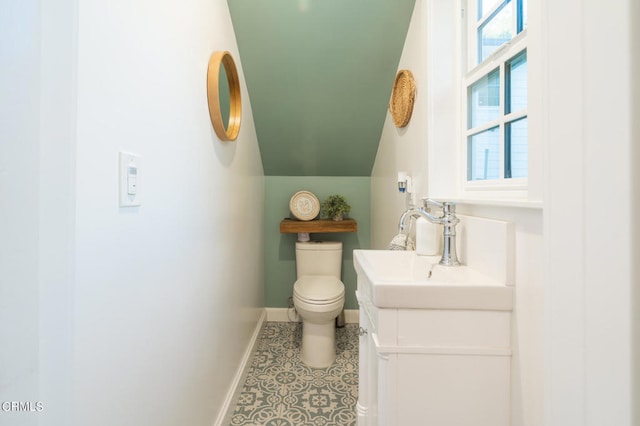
225,131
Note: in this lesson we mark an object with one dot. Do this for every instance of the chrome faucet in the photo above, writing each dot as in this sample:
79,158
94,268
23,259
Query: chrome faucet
449,220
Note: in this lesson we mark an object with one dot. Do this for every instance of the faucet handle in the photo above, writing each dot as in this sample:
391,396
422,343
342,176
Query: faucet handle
449,207
431,202
446,206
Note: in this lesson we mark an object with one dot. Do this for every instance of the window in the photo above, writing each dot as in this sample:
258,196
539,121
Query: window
496,93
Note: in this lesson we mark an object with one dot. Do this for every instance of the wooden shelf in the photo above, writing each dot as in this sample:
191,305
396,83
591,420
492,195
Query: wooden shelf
290,226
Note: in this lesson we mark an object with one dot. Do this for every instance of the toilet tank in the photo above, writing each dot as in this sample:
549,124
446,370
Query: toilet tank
319,258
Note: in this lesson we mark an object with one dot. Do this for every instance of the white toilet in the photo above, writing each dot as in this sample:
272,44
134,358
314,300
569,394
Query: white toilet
318,295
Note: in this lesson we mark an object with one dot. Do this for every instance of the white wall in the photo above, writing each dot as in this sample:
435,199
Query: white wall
56,209
635,226
19,105
125,316
575,340
405,149
591,213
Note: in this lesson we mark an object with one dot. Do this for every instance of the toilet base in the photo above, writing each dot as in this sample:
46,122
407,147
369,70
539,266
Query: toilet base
318,344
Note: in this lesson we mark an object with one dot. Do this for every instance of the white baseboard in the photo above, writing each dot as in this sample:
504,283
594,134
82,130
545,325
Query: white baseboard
226,411
282,315
351,316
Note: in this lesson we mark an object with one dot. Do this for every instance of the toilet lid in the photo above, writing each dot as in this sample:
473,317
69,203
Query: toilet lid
318,288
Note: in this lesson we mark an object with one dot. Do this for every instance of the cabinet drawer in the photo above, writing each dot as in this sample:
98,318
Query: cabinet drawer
454,328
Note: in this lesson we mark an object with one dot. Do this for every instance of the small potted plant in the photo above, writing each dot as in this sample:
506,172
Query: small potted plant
335,207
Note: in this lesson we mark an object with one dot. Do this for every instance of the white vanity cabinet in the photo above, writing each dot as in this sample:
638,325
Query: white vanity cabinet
444,364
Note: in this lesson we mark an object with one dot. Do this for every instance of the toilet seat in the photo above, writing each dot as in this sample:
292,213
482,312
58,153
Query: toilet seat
318,289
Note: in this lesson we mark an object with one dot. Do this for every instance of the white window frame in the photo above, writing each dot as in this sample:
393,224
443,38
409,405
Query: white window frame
492,188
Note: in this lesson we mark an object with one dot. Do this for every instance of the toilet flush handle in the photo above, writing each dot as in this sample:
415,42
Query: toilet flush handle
362,331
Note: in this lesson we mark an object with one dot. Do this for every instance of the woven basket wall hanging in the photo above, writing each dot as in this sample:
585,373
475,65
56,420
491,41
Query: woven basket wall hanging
402,97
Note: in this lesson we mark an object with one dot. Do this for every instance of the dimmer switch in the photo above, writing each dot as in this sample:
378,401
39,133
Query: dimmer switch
129,179
132,179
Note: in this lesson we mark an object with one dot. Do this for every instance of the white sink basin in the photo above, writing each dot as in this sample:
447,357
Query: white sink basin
400,279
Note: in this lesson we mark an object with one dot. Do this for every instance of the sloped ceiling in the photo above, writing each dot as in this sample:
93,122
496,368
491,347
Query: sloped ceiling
319,74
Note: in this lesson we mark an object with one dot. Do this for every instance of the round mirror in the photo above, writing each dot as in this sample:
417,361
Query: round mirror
224,99
223,94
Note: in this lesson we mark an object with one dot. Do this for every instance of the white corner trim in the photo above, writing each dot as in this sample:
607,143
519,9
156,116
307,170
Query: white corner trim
351,316
224,416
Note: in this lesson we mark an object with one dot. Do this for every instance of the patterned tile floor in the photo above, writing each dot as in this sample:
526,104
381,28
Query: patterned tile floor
281,391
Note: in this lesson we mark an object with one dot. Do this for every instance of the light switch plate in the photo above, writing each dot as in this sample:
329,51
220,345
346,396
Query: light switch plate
129,176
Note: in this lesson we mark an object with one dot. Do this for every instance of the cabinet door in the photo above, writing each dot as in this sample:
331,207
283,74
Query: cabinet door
368,381
363,367
373,373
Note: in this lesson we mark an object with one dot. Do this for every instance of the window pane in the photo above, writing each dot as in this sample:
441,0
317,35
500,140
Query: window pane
484,6
516,83
516,149
495,32
483,153
523,16
484,99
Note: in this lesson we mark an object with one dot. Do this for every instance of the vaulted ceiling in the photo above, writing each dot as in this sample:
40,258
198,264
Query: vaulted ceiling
319,75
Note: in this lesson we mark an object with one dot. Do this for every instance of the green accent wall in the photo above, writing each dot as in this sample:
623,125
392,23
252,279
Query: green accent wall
319,75
280,255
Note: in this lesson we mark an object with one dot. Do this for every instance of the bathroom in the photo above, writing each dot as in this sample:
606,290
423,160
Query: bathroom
112,316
